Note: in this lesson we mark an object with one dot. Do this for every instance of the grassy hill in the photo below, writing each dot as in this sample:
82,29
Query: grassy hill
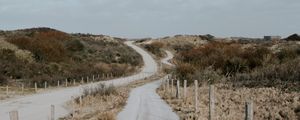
45,54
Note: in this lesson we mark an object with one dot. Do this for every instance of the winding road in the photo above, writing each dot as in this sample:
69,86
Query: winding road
145,104
37,106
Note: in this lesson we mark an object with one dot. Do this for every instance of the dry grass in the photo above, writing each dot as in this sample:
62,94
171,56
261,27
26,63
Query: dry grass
99,107
107,103
269,103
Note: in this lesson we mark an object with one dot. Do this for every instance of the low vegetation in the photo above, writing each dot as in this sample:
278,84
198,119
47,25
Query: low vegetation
104,102
44,54
99,103
268,103
155,48
253,65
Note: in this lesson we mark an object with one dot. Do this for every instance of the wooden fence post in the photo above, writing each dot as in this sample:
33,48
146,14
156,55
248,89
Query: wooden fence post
163,84
87,79
52,114
211,102
58,83
184,88
81,80
93,78
74,82
7,90
66,82
172,83
178,90
13,115
45,84
249,110
80,100
196,96
168,85
22,88
35,87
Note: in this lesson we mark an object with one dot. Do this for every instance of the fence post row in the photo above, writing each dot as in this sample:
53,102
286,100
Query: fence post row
211,102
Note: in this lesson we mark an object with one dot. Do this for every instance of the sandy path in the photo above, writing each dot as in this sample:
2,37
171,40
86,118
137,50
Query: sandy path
169,57
145,104
37,107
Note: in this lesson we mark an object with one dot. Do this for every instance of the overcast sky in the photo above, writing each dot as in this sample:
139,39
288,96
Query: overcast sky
155,18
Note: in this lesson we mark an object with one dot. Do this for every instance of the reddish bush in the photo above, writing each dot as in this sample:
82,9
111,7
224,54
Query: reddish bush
43,48
183,70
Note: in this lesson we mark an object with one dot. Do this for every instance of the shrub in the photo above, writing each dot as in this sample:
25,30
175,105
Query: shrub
286,76
74,45
208,75
43,49
244,65
155,48
100,90
3,80
287,54
183,70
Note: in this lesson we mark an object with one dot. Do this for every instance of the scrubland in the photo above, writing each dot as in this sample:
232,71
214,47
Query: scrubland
265,72
43,54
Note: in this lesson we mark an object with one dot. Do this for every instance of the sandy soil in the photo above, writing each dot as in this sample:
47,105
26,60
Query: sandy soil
269,103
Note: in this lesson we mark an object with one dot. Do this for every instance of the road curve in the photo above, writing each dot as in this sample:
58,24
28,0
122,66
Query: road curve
145,104
37,107
168,58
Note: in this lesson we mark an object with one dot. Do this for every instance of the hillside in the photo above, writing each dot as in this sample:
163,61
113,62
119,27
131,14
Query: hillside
45,54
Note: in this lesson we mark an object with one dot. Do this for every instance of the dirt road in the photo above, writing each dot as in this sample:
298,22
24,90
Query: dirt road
145,104
37,107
